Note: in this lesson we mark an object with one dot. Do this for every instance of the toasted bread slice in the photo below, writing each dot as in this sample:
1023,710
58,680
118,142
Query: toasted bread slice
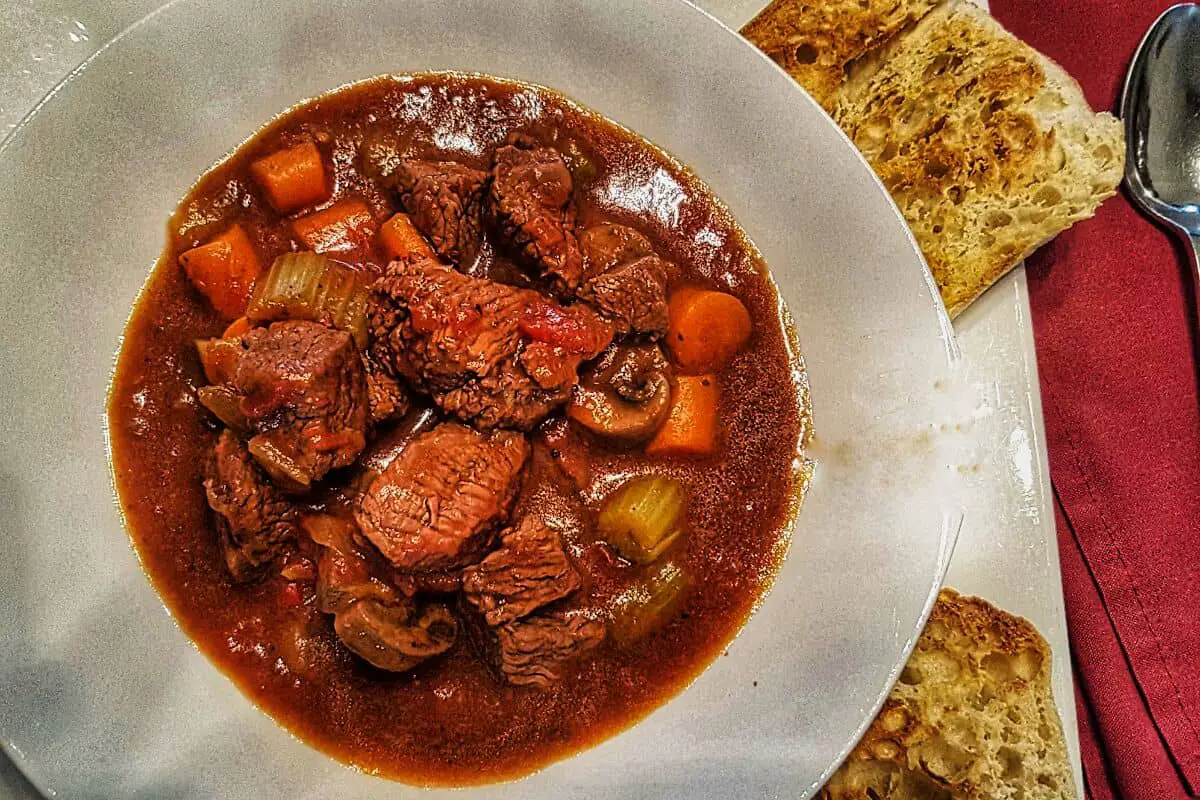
988,147
972,717
816,41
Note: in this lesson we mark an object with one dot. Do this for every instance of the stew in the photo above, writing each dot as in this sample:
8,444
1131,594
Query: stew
457,424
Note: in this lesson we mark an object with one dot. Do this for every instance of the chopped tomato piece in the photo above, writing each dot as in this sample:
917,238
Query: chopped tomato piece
292,596
546,322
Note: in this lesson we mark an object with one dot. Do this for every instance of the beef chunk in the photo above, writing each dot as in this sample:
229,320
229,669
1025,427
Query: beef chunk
488,353
255,522
624,281
304,392
632,296
444,199
438,503
530,205
609,244
387,399
530,570
538,649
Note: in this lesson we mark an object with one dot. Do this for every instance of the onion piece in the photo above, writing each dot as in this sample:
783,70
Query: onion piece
226,405
278,458
219,358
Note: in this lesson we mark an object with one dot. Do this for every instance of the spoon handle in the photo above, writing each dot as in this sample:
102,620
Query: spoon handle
1195,241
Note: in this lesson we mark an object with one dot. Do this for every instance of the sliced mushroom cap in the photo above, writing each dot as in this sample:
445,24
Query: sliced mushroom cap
393,638
627,395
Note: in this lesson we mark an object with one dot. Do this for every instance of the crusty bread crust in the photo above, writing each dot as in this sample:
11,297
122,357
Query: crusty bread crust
815,41
972,717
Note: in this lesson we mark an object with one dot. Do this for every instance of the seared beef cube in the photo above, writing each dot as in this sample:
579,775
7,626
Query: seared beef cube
538,649
304,391
255,522
437,505
488,353
387,399
623,279
528,571
529,204
444,200
609,245
632,296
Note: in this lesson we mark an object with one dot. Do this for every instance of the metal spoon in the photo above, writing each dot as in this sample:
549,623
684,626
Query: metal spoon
1161,109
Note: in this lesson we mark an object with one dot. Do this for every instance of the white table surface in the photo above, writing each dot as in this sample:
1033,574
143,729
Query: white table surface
1006,551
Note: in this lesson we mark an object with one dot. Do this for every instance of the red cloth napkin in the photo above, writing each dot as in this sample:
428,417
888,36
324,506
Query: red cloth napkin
1113,316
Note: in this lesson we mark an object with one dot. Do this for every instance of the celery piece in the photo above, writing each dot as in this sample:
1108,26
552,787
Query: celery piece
649,604
643,517
313,287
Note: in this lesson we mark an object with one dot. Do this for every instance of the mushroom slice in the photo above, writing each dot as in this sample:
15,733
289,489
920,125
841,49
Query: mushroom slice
627,395
392,637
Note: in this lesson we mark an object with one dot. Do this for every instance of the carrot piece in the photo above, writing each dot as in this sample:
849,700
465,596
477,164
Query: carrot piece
691,426
237,328
224,270
399,238
292,178
346,225
705,328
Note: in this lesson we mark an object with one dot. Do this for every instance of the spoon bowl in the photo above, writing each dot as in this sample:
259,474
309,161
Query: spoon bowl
1161,110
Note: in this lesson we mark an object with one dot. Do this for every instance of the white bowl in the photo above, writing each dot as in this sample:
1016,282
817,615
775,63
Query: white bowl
103,695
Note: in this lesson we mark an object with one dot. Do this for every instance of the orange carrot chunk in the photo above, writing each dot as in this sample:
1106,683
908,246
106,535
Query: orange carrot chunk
399,238
292,178
691,426
346,225
237,328
705,329
224,270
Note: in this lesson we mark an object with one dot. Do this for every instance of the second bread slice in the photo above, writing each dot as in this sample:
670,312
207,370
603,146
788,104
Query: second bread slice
988,148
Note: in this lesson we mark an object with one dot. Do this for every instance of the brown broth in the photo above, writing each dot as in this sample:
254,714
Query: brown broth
450,721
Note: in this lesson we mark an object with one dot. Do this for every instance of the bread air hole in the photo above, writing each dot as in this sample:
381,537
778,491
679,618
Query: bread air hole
805,54
946,62
997,219
1002,667
1010,761
943,760
1047,196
